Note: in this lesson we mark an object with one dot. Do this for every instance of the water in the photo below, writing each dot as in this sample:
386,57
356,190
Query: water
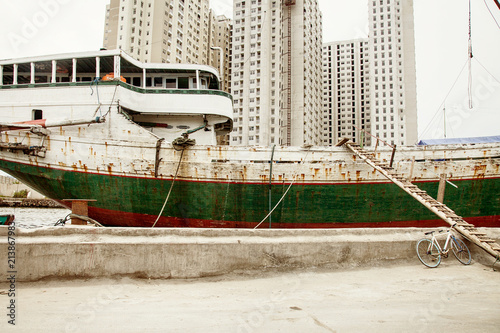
35,217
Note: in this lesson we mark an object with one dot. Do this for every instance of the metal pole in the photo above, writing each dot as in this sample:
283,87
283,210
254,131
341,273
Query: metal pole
32,79
14,79
73,79
392,155
97,67
54,71
270,183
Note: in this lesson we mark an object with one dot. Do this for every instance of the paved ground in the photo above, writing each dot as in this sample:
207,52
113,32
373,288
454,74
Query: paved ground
404,298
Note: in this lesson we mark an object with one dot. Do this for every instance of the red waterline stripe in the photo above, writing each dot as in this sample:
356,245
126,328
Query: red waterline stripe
143,220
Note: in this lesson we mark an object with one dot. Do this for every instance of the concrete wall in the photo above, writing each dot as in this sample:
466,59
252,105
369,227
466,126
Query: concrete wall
87,252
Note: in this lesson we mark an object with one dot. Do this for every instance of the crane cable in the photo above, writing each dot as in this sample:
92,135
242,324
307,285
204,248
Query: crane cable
497,2
469,87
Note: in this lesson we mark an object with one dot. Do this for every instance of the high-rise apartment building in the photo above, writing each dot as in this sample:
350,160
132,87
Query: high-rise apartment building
392,71
168,31
370,84
346,91
220,35
276,72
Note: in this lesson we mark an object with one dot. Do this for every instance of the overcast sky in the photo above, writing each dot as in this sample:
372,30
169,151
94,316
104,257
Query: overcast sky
36,27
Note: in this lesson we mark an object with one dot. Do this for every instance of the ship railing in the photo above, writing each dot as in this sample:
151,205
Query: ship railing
377,142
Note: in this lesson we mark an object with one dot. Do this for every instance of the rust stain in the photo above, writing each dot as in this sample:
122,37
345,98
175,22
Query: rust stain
479,171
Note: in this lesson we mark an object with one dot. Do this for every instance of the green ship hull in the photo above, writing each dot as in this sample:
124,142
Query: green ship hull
137,201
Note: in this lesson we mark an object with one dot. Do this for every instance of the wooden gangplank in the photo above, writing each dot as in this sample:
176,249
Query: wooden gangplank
466,229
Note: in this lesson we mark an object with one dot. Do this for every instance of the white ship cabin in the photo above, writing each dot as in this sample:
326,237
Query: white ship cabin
167,99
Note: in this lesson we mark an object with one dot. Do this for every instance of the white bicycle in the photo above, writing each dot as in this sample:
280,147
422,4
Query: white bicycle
430,252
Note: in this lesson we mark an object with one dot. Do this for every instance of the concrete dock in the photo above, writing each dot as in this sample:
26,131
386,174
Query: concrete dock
81,279
89,252
394,298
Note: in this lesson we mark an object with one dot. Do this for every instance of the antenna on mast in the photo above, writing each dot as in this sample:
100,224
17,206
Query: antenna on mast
444,120
469,88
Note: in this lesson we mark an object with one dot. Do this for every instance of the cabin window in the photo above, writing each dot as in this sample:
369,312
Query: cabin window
41,79
136,81
170,83
148,82
37,114
183,83
23,79
158,82
214,84
203,84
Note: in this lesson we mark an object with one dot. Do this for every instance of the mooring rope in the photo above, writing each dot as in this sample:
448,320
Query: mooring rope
81,217
284,194
96,82
170,190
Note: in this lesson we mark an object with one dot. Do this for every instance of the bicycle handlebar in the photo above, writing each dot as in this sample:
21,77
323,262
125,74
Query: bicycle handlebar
440,231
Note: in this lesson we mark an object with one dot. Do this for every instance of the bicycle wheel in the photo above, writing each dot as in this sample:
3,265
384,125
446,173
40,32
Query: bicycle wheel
428,253
461,251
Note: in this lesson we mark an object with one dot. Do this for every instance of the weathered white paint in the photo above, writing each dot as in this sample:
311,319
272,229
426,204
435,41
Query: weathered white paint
99,148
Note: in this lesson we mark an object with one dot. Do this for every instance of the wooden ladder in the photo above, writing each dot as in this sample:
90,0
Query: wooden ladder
466,229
